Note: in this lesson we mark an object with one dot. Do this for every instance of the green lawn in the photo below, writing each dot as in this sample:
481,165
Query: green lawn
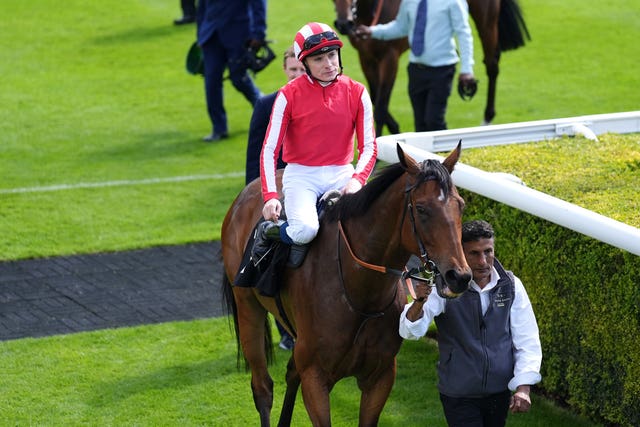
95,93
184,373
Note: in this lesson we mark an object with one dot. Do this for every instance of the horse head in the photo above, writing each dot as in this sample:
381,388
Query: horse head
344,22
433,228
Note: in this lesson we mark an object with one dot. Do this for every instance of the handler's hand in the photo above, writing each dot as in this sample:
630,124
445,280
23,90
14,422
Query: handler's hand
352,186
363,32
271,210
421,289
520,401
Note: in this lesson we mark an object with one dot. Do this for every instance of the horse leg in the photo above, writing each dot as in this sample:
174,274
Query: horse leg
387,71
375,395
492,67
485,15
293,383
370,70
315,394
252,330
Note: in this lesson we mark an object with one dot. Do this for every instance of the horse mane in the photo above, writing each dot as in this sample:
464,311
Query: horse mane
358,203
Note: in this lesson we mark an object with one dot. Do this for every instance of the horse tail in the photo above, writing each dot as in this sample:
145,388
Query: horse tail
511,26
231,310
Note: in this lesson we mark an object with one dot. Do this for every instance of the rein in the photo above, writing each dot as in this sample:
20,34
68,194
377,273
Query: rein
378,268
376,15
367,316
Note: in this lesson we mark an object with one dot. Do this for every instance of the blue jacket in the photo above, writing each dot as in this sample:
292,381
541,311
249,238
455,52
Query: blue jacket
234,21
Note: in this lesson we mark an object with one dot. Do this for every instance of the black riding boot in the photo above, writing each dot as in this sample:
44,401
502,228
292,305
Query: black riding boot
268,232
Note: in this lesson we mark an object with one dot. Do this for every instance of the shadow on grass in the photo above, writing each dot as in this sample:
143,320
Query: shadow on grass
167,378
135,35
149,146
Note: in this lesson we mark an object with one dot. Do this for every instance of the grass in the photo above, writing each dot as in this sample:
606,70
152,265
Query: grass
184,373
95,93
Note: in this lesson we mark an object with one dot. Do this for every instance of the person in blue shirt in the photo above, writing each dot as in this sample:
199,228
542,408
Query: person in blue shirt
225,30
433,56
488,339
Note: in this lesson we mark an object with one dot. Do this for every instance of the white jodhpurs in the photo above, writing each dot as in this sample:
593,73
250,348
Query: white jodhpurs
302,186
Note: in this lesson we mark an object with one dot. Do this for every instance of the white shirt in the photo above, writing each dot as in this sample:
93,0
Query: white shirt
524,328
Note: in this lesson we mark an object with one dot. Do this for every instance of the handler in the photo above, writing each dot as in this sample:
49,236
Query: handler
487,338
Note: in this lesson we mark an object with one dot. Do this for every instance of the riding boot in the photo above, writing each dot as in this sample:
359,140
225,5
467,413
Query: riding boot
297,253
266,233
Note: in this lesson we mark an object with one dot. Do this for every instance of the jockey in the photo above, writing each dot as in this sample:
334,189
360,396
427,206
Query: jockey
314,120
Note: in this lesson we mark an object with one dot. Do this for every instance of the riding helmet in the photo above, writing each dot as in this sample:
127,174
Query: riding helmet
315,38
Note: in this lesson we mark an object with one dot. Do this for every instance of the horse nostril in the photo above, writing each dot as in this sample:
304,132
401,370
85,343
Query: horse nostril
456,281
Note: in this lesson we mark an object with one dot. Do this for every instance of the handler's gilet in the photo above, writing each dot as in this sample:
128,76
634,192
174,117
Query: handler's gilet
476,356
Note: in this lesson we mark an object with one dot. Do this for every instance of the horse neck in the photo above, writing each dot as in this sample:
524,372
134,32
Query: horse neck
375,237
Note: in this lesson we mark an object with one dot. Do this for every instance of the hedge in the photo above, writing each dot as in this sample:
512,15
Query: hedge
585,293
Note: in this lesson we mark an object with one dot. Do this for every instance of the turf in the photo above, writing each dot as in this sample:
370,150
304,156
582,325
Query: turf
96,93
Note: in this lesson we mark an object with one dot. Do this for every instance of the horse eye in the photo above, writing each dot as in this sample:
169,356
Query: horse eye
421,210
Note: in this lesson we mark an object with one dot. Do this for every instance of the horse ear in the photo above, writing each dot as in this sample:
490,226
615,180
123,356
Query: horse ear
407,162
453,157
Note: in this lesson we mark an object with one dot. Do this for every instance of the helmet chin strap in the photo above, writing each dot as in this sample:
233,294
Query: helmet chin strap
306,67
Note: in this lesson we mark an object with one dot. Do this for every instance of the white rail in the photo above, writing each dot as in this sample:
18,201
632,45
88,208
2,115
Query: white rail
514,133
506,190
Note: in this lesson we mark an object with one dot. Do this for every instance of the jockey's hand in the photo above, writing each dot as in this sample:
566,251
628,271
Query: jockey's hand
352,186
271,210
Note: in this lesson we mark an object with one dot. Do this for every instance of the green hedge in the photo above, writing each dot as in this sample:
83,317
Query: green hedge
586,297
585,292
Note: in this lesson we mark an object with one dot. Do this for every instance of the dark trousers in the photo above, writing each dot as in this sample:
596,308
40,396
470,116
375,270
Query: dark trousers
188,8
217,57
489,411
429,90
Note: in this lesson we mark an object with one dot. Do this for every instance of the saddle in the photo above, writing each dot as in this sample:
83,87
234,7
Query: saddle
265,273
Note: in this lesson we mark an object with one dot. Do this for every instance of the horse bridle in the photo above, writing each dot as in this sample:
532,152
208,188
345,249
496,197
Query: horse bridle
427,272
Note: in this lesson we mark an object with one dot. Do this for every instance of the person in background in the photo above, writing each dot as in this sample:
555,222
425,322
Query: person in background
225,30
188,12
488,338
314,120
257,130
431,26
260,119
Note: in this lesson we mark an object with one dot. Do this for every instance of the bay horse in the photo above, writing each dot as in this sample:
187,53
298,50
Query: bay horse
343,303
500,24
